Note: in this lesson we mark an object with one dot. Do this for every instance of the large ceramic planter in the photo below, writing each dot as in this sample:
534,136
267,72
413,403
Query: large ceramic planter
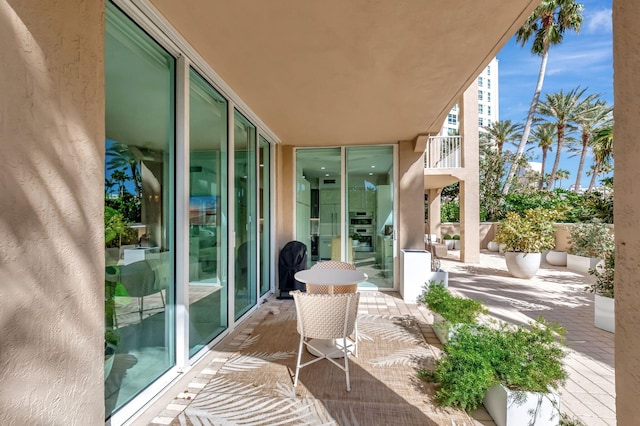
522,265
443,329
510,408
605,313
450,244
502,247
580,263
456,244
438,277
557,258
492,246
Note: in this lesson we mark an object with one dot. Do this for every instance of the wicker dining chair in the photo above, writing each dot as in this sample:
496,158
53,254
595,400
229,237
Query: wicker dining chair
325,289
326,317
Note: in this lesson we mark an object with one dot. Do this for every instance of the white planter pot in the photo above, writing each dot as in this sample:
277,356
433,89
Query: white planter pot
443,330
492,246
580,263
456,244
522,265
557,258
439,277
502,247
507,408
450,244
605,313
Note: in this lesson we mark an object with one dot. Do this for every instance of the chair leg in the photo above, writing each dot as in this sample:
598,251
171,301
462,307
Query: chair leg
300,347
346,363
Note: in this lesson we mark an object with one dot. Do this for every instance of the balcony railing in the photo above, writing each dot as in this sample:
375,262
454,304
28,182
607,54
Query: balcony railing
443,152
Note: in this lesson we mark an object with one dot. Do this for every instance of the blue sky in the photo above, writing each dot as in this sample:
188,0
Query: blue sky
584,59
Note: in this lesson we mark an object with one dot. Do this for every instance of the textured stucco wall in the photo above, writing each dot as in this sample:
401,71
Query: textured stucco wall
626,59
51,232
410,197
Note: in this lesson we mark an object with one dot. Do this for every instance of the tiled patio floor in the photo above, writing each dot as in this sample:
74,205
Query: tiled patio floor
555,293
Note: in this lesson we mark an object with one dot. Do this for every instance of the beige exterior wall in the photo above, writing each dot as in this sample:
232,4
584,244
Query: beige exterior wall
285,182
626,59
51,212
410,197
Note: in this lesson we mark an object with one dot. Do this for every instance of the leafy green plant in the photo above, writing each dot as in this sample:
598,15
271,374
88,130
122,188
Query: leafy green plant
532,232
447,237
455,309
604,276
590,239
521,358
355,236
456,237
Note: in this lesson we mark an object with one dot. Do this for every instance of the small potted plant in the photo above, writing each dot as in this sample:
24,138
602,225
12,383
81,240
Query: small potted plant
603,289
525,237
456,241
355,239
449,311
588,244
448,240
515,371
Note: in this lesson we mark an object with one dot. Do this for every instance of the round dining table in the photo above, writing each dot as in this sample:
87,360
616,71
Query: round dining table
330,277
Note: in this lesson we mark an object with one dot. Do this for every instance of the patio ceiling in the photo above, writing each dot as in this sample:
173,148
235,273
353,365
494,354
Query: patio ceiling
341,72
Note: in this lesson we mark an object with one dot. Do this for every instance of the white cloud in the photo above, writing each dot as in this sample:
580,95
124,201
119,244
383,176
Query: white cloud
599,22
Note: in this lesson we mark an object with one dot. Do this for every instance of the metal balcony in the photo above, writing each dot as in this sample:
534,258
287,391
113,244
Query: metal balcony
443,152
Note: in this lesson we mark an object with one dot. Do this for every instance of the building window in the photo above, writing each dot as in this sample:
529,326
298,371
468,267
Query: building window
452,119
480,109
488,83
488,122
489,70
480,95
488,97
488,109
479,81
480,122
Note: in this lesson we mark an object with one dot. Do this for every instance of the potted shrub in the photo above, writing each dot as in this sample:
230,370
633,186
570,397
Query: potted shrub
492,246
525,237
520,365
456,242
588,243
603,289
449,311
448,240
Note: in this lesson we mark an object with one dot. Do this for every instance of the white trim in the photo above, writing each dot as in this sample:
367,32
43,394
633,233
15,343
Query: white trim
182,213
231,214
152,21
396,205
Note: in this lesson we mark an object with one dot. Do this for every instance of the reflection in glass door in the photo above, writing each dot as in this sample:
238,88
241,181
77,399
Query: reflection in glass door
370,211
264,185
245,215
139,211
318,214
208,291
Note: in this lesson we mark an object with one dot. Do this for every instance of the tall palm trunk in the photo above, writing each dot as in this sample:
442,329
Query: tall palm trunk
596,171
583,155
528,123
544,160
556,162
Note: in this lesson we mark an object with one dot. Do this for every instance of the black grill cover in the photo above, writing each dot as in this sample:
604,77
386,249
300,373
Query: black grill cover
293,258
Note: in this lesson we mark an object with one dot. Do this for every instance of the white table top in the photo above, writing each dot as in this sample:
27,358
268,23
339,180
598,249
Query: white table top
331,276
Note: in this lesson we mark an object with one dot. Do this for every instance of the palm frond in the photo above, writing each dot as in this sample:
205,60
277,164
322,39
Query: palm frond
412,356
238,362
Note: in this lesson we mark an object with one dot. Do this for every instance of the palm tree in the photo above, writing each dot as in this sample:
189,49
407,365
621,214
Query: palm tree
602,146
501,132
547,25
121,157
560,109
589,116
561,174
544,133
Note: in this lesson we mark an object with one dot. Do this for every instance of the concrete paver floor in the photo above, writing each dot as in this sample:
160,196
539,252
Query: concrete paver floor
555,293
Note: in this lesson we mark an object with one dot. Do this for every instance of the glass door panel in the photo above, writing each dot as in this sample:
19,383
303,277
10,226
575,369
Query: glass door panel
139,210
370,211
245,214
318,195
264,185
208,291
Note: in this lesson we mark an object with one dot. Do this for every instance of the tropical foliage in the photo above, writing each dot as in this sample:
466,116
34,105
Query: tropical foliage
604,274
532,232
590,239
454,309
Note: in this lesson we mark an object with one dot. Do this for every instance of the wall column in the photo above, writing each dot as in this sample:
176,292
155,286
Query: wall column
470,185
434,211
51,221
626,59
